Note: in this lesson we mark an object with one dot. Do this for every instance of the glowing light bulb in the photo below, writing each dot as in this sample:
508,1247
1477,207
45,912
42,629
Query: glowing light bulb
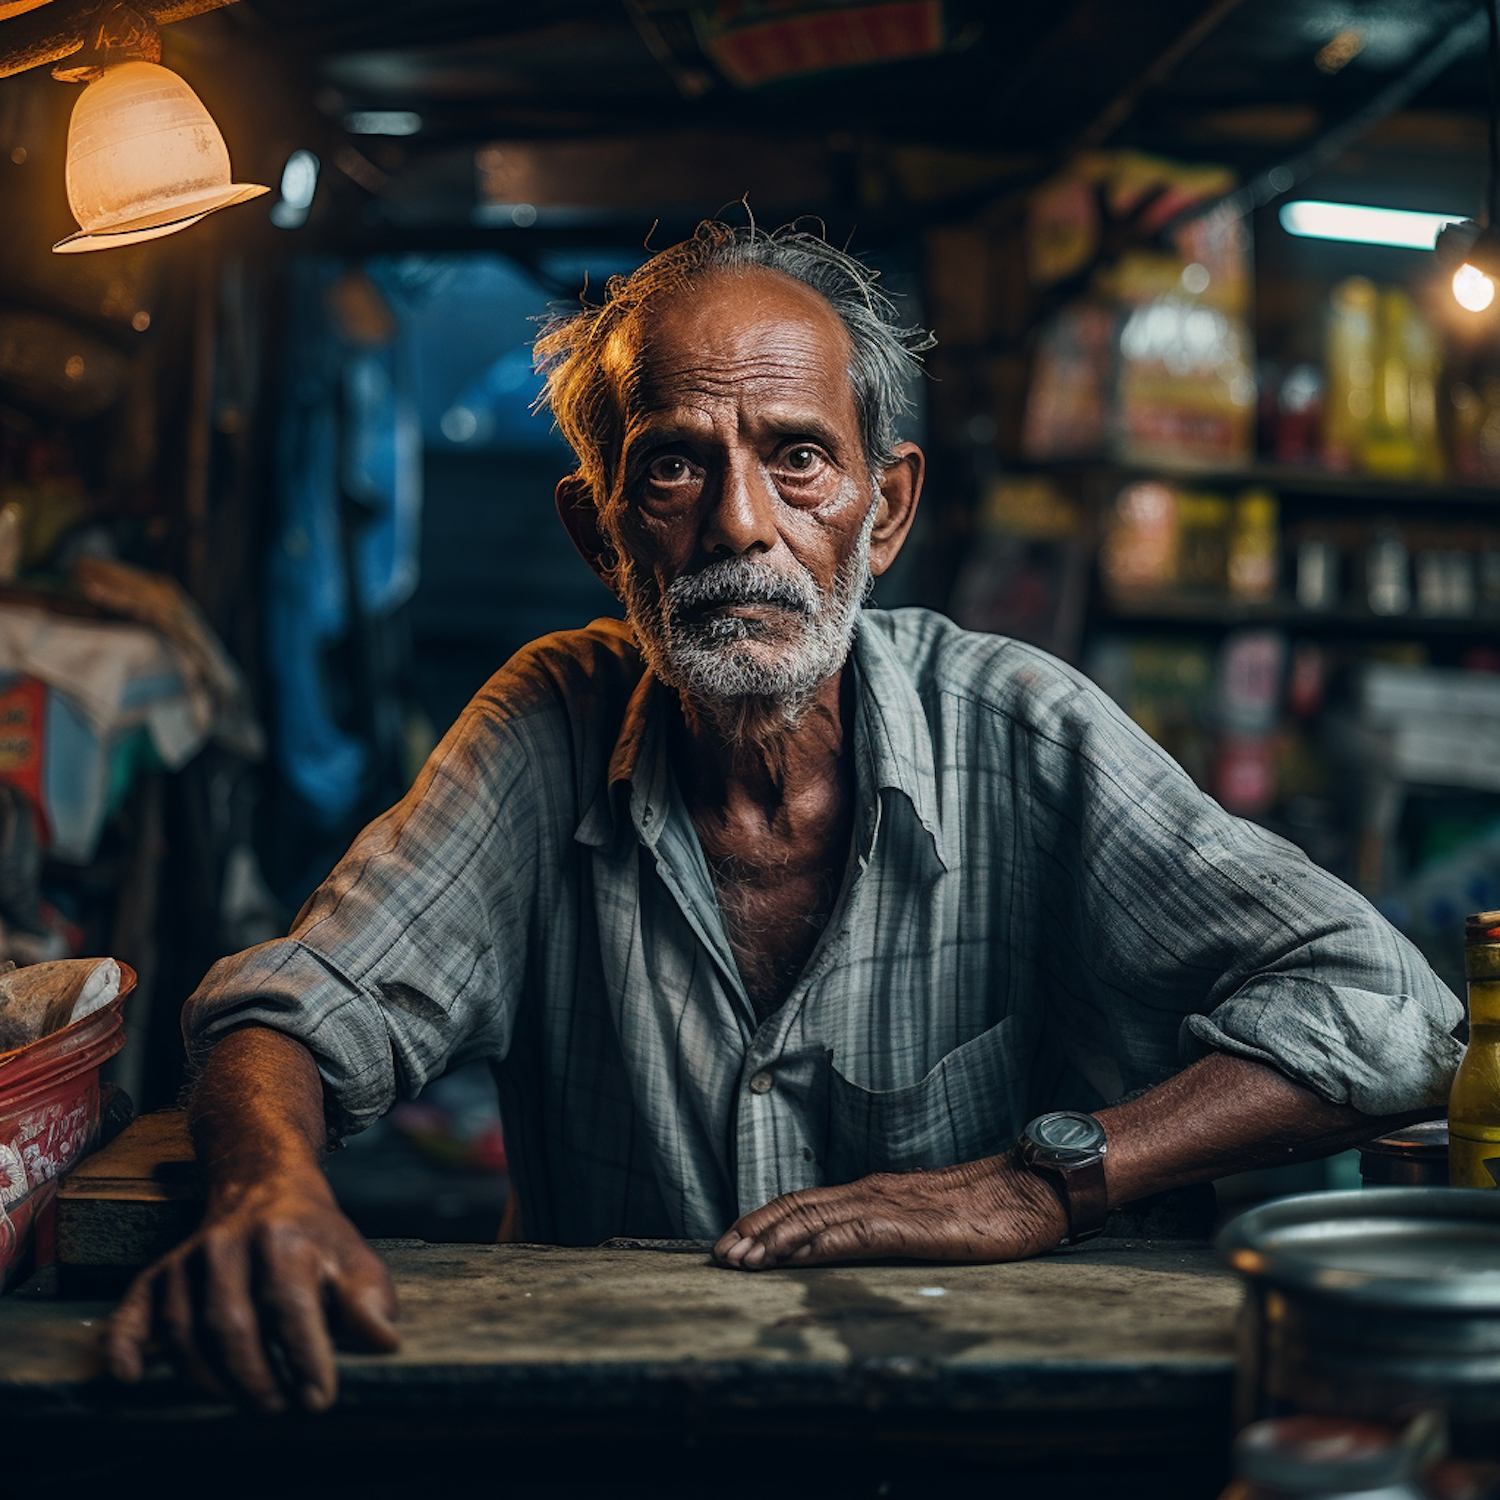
1472,288
145,159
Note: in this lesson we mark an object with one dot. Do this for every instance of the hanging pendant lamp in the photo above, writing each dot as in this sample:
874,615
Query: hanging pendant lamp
145,157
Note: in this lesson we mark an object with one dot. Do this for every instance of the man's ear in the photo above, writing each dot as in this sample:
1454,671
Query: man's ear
900,490
575,504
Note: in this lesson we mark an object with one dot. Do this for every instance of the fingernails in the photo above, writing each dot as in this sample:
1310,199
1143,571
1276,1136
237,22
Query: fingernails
734,1249
314,1398
801,1253
755,1257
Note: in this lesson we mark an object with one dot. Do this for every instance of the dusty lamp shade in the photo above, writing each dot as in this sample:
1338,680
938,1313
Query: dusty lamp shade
144,159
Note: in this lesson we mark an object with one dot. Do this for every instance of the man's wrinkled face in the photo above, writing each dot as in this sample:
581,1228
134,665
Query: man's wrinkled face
743,505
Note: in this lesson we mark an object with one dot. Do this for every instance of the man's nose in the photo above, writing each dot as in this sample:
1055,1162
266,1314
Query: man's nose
743,517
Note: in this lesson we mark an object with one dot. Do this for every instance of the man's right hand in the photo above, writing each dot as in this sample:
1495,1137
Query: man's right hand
249,1306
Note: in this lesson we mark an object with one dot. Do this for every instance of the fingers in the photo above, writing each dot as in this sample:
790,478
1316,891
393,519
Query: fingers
292,1296
158,1305
365,1320
304,1290
978,1211
245,1309
755,1223
232,1323
304,1286
128,1331
365,1307
857,1239
174,1320
737,1242
810,1227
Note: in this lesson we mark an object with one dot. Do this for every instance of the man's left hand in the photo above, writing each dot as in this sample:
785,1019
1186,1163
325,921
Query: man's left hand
988,1210
1222,1114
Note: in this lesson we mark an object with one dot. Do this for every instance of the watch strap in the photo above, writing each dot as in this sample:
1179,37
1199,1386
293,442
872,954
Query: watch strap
1080,1185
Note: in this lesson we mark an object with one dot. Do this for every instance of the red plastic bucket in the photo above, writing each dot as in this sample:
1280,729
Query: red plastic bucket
49,1116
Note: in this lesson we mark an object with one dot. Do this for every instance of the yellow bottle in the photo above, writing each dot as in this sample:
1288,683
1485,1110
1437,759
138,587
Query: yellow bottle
1390,447
1254,546
1474,1104
1350,361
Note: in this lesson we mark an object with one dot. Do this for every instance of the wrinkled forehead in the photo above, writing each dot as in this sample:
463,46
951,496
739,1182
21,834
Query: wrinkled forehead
748,335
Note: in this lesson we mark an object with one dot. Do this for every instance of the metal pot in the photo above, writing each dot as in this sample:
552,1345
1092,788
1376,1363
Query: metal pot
1414,1157
1372,1303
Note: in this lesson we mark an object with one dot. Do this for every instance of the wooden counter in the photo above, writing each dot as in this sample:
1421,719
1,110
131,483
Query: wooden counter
1102,1370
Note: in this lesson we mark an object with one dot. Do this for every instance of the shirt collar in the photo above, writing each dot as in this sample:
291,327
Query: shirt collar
893,752
637,770
893,745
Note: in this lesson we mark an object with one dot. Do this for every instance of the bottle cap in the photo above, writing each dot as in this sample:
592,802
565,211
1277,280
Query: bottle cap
1482,945
1482,927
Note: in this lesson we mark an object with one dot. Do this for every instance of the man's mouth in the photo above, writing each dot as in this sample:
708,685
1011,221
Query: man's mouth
735,609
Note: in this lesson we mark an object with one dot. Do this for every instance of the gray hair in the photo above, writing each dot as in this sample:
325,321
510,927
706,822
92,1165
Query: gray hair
884,356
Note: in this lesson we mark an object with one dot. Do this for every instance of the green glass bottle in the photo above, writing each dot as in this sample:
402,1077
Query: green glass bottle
1474,1104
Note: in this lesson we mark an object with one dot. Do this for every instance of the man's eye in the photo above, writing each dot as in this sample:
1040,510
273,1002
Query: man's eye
669,469
802,459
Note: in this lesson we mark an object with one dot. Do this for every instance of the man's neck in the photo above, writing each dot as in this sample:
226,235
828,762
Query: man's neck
752,763
772,801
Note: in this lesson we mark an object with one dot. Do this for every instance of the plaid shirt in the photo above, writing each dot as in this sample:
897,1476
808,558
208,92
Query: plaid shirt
1040,911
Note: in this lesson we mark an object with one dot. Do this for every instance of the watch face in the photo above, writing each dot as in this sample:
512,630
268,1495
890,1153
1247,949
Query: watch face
1067,1135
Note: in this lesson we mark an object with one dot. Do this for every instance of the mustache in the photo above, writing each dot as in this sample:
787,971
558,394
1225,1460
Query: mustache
738,580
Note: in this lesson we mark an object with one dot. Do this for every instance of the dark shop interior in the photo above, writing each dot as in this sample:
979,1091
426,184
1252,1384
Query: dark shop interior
750,743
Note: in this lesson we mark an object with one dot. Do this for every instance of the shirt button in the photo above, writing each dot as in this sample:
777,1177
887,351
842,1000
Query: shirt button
761,1083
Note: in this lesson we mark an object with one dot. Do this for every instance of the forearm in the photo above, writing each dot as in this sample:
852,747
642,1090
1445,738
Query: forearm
257,1112
1224,1114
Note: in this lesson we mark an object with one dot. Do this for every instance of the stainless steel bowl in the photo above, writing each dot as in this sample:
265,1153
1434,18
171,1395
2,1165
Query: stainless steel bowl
1372,1303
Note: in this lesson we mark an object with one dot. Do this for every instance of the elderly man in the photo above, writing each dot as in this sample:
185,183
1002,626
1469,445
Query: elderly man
781,921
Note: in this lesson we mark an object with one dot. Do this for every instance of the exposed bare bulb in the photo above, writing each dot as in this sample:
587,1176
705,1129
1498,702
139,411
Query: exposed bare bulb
1472,289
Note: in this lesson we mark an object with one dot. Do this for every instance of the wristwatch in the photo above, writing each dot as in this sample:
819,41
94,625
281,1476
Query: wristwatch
1067,1148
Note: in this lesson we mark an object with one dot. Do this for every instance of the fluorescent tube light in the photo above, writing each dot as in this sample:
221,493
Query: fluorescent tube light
1361,224
383,122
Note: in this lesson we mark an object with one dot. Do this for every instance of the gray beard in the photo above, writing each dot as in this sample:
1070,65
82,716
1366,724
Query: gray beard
733,668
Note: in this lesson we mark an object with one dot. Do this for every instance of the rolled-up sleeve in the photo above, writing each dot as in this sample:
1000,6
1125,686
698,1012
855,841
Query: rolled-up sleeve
409,958
1181,926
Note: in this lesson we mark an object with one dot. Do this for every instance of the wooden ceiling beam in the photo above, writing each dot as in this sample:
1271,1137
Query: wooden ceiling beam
1127,101
394,25
55,31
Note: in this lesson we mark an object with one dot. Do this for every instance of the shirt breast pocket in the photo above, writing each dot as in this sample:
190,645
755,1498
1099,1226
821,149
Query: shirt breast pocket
966,1107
